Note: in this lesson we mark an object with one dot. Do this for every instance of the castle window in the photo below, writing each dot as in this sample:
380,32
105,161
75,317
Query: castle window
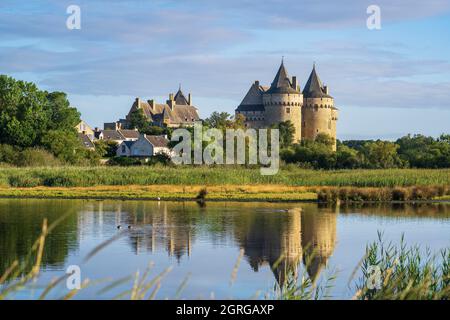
288,110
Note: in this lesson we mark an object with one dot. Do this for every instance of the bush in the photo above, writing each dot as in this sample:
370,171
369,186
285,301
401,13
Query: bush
124,161
23,181
8,154
35,157
160,158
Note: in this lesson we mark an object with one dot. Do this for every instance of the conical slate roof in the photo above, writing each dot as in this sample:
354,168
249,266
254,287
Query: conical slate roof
281,83
314,87
180,99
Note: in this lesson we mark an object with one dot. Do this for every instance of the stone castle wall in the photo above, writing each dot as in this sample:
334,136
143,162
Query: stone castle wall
318,116
284,107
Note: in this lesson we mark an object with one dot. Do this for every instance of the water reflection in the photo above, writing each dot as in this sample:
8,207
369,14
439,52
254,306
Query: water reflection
265,232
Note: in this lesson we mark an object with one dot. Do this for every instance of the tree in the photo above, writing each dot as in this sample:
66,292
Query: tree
382,154
287,131
347,158
105,148
23,117
218,120
425,152
64,145
325,139
139,121
28,116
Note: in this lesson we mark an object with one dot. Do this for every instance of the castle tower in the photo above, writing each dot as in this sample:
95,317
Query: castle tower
283,101
318,239
318,113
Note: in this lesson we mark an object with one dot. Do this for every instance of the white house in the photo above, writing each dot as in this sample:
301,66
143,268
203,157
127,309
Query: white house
145,146
124,149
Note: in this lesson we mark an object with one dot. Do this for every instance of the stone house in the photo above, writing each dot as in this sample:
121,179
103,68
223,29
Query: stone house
146,146
117,136
178,111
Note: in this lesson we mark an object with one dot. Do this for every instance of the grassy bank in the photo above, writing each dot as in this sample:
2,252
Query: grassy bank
216,176
225,183
167,192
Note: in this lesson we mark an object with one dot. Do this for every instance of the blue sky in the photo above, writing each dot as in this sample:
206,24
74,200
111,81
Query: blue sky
386,82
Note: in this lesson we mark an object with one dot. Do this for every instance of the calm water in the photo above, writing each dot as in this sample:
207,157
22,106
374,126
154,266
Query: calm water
204,243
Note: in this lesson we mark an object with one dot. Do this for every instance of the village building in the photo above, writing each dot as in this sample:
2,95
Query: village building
84,128
146,146
178,111
311,111
117,136
86,141
86,135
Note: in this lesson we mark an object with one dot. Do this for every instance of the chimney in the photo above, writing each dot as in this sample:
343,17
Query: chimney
325,89
171,104
294,82
171,96
138,102
257,83
151,103
189,99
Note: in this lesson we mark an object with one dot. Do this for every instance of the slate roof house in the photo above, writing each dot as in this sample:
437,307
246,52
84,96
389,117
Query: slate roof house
86,135
178,111
117,135
146,146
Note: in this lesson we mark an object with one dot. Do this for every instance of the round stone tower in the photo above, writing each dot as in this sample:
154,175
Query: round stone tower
318,113
283,101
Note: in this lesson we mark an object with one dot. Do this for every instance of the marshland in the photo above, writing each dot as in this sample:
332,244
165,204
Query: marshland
226,183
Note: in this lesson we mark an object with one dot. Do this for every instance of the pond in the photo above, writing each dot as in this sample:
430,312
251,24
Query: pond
220,250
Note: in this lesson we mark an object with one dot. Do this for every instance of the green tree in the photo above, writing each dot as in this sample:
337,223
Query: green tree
64,145
287,131
347,158
106,148
381,154
139,121
30,117
218,120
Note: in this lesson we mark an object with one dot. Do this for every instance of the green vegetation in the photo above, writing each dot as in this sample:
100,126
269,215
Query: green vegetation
220,175
223,183
32,120
407,152
406,273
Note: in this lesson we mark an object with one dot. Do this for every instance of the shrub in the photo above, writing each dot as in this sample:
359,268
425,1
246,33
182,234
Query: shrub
8,154
23,181
160,158
124,161
35,157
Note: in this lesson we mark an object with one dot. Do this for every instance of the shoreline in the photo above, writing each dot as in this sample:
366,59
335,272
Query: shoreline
228,193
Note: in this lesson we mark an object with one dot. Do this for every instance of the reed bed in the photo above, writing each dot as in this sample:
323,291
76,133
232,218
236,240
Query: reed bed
218,175
383,194
405,273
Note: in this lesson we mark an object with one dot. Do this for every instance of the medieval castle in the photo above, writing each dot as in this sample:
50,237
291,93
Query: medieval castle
311,111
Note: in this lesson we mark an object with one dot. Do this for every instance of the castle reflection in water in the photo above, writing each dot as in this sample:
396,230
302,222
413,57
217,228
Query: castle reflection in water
281,239
300,234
